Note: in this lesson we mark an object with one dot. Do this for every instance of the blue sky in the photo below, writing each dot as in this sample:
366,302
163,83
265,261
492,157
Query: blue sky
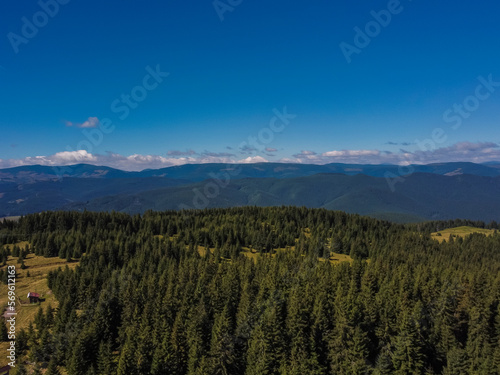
232,69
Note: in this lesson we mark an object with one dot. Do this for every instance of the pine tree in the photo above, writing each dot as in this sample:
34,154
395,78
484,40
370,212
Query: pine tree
21,341
197,338
261,358
104,359
84,351
126,364
177,356
39,318
302,358
407,356
222,344
159,363
383,365
49,316
21,369
478,348
52,369
3,331
457,362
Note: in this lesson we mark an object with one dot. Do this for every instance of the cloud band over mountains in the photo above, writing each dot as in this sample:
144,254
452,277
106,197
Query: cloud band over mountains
479,152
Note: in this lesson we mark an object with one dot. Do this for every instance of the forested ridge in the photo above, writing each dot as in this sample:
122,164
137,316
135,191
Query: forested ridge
174,293
413,194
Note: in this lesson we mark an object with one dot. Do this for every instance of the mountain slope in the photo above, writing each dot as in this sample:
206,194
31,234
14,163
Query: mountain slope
20,199
443,191
420,196
34,173
200,172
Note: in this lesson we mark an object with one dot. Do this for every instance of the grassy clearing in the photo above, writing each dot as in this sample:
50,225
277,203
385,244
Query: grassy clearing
21,245
339,258
38,268
254,255
334,257
459,232
11,218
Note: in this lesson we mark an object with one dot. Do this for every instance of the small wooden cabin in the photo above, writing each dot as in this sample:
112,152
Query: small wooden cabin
33,297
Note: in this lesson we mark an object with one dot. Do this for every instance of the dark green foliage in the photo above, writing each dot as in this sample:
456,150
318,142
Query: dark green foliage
21,369
52,369
364,189
21,341
3,330
144,301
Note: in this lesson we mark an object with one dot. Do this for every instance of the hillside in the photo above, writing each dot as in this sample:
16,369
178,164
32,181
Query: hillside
432,192
459,232
200,172
419,197
176,293
20,199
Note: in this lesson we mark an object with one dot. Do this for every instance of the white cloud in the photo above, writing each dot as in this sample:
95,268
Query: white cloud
253,159
92,122
479,152
135,162
307,152
60,158
305,156
349,153
65,157
464,151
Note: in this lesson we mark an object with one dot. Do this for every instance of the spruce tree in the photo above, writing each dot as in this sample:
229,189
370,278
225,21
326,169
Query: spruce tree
3,331
52,369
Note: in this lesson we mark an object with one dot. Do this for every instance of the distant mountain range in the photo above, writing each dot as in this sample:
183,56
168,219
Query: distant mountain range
200,172
413,193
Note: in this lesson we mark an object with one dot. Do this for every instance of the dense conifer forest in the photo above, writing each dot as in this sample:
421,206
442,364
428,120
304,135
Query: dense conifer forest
177,293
